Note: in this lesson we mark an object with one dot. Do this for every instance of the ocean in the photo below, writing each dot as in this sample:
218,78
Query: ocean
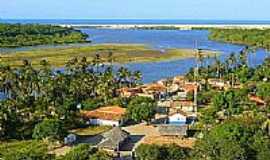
134,21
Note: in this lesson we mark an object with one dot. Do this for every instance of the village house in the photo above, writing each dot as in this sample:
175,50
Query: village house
113,139
176,124
179,80
164,103
108,116
177,118
184,105
129,92
154,88
173,88
186,89
154,91
217,83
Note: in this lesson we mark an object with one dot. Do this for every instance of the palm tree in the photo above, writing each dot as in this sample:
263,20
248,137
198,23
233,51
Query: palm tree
253,51
97,62
137,76
232,60
218,67
123,76
244,56
232,63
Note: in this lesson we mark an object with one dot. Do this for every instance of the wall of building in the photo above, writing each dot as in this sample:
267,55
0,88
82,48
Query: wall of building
103,122
177,119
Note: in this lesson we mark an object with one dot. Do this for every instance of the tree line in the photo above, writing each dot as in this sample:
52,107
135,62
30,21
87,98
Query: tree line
259,38
18,35
36,94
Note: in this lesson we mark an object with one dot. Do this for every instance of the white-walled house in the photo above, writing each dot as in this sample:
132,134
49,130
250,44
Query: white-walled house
179,118
106,116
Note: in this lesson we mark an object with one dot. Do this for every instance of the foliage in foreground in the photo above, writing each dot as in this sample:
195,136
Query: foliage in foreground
85,152
156,152
238,138
49,128
25,150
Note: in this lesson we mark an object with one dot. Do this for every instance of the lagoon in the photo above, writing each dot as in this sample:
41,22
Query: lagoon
162,40
166,39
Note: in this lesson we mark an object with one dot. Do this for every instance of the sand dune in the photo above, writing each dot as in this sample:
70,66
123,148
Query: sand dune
175,26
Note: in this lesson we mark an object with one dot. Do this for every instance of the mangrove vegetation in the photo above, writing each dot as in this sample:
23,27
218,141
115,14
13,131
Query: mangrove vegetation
18,35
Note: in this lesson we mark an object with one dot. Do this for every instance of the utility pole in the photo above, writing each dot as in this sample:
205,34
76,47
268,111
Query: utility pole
196,71
196,75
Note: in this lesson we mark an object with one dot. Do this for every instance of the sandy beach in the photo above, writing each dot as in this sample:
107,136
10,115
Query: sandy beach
174,26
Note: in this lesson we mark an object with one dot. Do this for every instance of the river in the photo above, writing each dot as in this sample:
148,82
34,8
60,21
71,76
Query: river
165,39
162,39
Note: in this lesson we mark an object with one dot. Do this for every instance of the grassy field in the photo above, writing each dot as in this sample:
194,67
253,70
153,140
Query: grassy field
122,53
91,131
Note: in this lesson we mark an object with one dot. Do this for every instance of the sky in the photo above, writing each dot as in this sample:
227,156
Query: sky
136,9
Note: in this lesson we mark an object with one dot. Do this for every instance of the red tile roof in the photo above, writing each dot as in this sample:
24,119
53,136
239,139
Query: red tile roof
155,87
129,91
179,112
257,99
189,87
182,103
106,113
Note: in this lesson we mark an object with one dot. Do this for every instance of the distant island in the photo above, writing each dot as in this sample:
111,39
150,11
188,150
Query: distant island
168,26
19,35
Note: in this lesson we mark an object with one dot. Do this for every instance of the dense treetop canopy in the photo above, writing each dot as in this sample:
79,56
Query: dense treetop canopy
252,37
17,35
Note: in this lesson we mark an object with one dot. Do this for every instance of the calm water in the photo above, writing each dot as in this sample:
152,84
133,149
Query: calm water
161,39
158,39
130,21
164,39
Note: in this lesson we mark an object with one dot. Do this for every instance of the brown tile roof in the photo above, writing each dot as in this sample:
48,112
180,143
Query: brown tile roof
106,113
182,103
189,87
180,112
257,100
162,140
179,79
155,87
126,89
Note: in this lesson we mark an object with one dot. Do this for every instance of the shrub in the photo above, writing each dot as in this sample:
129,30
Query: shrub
85,152
25,150
49,128
100,155
156,152
141,108
148,152
80,152
91,104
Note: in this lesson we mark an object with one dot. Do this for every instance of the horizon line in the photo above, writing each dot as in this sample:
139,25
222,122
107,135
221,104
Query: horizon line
203,19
